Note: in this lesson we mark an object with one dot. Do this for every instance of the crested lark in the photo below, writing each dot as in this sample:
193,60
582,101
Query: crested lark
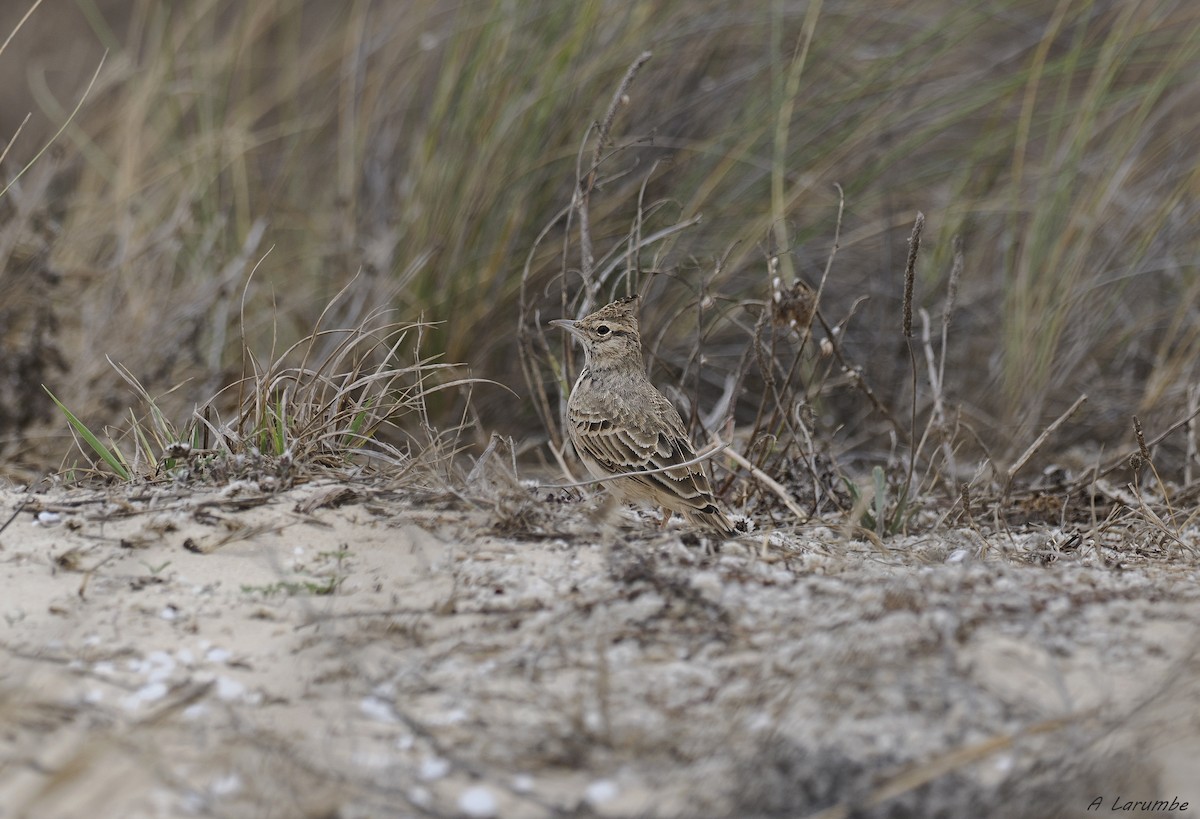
620,423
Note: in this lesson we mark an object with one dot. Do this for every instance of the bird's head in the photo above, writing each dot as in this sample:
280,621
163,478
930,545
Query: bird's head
609,336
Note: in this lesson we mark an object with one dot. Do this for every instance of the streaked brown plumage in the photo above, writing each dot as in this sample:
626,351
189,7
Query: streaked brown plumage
620,423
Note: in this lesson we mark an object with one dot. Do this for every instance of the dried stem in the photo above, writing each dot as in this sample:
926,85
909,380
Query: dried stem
1041,439
767,481
586,183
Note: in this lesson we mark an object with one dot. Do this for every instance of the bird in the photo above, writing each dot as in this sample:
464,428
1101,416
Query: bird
619,422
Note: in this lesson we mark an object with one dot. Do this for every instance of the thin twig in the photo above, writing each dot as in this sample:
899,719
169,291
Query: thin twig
1041,439
581,204
587,183
769,482
854,372
620,97
1123,459
956,270
633,248
646,241
1191,453
837,237
16,512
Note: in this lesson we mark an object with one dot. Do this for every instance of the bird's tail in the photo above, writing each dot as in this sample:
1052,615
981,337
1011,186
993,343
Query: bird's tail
713,517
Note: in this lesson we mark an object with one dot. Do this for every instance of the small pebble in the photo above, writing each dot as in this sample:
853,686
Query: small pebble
229,689
477,802
147,693
600,791
432,768
226,785
377,709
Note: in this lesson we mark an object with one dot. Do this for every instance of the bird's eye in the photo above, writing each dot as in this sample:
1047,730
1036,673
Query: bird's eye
602,330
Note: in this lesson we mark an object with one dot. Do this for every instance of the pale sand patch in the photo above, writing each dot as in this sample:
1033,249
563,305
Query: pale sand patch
166,652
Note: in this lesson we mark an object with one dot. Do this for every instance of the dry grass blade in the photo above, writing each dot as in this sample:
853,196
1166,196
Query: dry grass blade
783,123
12,141
771,484
923,774
1024,457
82,99
20,23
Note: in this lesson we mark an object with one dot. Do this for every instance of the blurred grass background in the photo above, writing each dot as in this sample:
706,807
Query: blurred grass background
423,145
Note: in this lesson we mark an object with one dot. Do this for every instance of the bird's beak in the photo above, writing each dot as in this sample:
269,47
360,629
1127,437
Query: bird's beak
565,324
572,327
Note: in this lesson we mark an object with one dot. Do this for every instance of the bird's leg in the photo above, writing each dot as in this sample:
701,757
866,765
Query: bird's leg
666,516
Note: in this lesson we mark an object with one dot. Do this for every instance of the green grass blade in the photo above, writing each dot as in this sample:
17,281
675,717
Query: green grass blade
90,438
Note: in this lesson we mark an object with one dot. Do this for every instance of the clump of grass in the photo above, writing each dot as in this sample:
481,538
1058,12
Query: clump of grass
340,400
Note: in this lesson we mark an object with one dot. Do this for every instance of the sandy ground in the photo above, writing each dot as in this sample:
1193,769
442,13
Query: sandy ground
345,650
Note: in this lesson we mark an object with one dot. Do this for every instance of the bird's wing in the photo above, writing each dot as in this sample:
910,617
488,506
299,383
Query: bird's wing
622,440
